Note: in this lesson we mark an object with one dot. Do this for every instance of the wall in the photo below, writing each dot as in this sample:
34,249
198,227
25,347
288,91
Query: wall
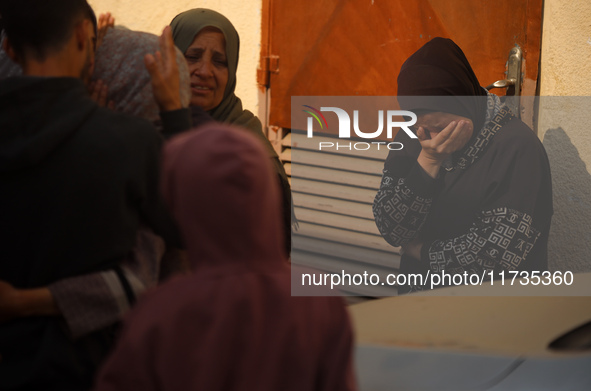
153,15
565,127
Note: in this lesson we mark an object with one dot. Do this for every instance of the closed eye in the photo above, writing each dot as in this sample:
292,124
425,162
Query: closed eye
191,59
220,60
193,55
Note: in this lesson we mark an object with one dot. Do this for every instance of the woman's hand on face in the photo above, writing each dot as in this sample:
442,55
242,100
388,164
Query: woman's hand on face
436,147
164,73
439,146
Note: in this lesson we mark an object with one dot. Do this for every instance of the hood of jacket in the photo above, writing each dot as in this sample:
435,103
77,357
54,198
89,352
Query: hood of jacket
37,114
218,183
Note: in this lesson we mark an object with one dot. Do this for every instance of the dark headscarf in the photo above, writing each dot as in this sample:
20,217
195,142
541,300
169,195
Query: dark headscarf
185,28
440,69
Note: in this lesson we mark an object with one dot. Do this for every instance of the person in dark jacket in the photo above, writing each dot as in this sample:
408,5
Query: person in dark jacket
76,182
94,301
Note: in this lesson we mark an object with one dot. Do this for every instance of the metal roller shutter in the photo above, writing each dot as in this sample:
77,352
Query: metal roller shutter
333,195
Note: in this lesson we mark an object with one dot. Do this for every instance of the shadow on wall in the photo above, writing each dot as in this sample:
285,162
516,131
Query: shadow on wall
569,247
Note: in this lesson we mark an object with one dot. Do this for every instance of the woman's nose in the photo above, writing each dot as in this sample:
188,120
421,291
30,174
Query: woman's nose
204,68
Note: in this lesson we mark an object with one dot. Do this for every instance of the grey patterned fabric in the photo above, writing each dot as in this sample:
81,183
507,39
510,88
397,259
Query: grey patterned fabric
399,213
120,64
497,116
499,240
94,301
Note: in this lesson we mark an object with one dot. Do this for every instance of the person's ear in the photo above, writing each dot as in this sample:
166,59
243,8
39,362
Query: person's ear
9,50
80,32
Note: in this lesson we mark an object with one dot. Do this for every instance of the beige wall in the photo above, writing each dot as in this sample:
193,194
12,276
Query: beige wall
153,15
565,128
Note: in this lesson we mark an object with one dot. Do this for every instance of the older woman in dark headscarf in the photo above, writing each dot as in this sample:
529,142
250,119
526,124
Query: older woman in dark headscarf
473,194
211,46
232,324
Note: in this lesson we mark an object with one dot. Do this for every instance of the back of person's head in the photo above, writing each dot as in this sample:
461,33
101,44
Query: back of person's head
38,28
119,63
218,183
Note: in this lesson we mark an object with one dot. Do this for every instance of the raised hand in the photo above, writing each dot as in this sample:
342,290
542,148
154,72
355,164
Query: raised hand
104,22
436,147
164,73
98,92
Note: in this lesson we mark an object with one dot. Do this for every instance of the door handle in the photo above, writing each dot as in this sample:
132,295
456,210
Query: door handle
501,84
513,81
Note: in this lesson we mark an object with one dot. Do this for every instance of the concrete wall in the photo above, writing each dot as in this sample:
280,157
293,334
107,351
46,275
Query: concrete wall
565,128
153,15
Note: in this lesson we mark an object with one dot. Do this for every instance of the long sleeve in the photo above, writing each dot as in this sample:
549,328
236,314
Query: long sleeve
489,209
144,191
499,239
93,301
406,194
175,122
514,214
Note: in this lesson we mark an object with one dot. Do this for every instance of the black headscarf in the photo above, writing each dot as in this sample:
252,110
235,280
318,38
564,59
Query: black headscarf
440,69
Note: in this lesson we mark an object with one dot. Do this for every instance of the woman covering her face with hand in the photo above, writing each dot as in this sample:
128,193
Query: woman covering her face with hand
211,46
473,193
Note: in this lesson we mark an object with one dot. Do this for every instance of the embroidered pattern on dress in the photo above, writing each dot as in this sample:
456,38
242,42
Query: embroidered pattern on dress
399,213
497,115
493,106
500,239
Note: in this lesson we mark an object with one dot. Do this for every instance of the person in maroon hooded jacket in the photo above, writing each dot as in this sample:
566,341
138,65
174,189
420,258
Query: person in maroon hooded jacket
232,324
